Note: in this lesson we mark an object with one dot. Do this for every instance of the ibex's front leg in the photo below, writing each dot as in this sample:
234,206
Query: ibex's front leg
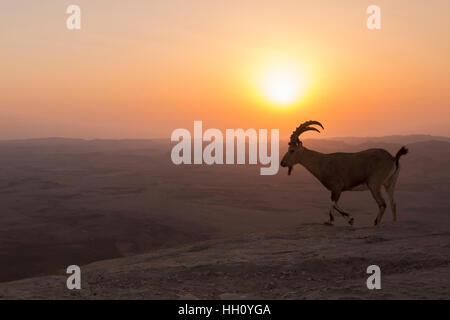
331,221
346,215
334,206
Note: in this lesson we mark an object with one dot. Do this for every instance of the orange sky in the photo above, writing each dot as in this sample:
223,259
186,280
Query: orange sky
140,69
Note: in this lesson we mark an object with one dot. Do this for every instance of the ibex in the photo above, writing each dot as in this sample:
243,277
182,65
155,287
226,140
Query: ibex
370,169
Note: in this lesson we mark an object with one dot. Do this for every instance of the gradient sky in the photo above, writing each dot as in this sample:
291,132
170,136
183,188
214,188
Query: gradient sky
140,69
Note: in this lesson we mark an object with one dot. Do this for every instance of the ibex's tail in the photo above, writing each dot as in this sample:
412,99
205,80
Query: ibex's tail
400,153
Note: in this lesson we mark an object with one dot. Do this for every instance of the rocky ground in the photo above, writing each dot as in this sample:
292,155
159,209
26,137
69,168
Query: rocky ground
310,261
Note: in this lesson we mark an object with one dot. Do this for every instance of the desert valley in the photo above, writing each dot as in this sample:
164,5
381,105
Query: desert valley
141,227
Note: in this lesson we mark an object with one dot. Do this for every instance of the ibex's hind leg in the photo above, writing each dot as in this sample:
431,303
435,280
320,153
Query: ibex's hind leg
390,196
376,193
390,187
334,200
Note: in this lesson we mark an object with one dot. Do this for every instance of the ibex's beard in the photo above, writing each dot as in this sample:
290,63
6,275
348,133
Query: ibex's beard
290,170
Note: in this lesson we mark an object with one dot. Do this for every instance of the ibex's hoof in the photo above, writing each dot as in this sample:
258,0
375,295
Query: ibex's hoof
328,223
351,221
376,222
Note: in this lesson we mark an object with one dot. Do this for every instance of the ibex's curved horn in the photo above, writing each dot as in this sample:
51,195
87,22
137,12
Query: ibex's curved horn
302,128
314,122
310,128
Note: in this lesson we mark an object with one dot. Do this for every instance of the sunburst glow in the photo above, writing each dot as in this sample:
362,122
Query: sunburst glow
283,84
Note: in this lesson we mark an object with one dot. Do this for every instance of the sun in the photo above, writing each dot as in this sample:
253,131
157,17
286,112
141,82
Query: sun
282,84
282,88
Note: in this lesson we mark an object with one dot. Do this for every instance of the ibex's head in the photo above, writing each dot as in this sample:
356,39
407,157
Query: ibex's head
295,150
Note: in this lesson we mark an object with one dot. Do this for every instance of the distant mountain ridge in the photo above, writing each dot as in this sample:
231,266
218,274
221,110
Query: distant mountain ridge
397,139
394,139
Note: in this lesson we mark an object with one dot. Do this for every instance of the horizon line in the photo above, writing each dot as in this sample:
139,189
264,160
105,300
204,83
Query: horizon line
168,138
